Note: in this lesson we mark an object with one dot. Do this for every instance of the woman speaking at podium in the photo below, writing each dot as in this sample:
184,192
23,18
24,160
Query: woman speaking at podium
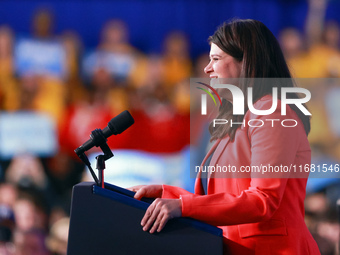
257,215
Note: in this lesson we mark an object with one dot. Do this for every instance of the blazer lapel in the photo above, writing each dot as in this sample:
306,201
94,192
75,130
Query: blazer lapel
217,154
198,183
212,149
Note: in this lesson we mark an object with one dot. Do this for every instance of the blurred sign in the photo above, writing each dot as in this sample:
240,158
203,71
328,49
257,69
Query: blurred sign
333,105
132,167
119,65
40,57
26,132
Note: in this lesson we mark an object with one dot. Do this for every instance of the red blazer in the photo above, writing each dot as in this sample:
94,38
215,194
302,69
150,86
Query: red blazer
257,215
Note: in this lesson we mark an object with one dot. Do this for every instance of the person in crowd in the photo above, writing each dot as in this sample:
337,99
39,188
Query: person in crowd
7,80
176,58
116,53
57,238
75,88
6,52
162,118
42,24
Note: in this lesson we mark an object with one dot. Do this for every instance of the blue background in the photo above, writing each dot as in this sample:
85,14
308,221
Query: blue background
150,20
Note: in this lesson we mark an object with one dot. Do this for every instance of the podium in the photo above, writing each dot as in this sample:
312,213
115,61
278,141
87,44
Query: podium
106,221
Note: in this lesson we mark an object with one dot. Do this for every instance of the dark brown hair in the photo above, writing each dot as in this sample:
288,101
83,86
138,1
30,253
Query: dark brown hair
253,43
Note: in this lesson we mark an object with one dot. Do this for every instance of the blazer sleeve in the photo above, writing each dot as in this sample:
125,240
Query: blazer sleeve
174,192
275,146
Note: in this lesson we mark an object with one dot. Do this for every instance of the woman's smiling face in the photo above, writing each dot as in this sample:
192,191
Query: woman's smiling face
222,65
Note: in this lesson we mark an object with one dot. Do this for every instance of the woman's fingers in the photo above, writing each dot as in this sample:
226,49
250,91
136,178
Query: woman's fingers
136,188
151,214
140,190
157,223
159,213
147,191
140,193
162,223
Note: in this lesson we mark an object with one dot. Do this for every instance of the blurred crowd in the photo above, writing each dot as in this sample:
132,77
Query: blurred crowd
96,85
314,56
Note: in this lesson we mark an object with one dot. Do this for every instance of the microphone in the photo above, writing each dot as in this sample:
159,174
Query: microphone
116,126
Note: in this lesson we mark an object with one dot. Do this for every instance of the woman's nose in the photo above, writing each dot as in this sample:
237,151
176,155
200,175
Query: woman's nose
208,68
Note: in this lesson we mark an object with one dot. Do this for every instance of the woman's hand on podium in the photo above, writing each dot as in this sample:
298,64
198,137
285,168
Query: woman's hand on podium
152,191
159,212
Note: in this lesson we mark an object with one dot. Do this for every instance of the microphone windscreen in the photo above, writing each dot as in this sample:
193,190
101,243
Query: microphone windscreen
121,122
